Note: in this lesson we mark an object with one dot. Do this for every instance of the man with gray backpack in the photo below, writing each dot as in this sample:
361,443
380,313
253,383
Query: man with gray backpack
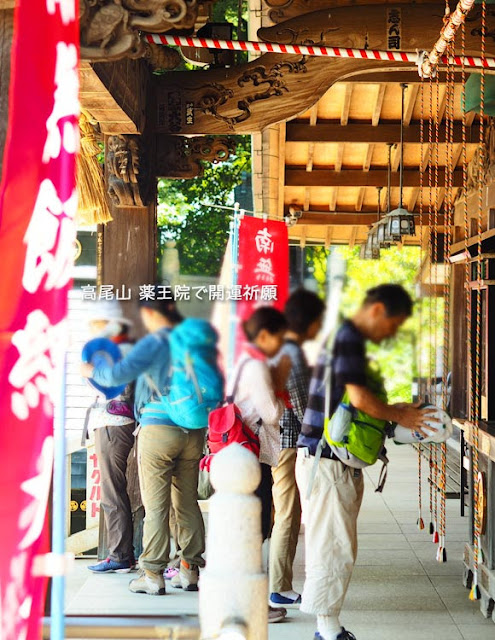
178,383
332,452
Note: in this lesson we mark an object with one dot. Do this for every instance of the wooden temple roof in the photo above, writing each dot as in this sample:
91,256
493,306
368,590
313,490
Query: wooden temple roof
322,129
336,155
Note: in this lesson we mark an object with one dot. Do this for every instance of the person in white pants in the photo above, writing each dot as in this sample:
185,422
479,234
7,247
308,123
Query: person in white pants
330,513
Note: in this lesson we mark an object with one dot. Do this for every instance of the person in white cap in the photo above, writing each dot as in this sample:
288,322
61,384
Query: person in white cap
114,425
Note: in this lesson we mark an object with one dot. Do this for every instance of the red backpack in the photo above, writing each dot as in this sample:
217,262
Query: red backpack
226,426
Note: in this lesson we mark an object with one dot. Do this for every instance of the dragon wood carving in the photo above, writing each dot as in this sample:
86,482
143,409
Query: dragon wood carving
126,171
110,28
181,157
209,98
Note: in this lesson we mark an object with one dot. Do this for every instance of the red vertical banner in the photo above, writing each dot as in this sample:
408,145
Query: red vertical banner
263,273
38,202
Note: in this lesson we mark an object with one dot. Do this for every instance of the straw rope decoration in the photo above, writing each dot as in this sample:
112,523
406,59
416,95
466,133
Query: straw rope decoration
92,205
420,521
475,591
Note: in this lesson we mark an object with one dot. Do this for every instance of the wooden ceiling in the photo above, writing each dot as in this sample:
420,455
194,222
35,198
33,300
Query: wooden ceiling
336,154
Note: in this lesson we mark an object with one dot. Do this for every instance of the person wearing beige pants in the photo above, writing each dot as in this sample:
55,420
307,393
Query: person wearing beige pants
168,463
303,311
330,520
287,523
331,503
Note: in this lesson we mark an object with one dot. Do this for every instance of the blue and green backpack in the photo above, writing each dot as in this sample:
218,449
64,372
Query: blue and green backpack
196,384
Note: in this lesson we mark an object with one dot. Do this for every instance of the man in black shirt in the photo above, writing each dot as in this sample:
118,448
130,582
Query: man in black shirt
333,506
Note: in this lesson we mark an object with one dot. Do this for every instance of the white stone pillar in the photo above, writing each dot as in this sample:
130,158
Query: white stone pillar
233,594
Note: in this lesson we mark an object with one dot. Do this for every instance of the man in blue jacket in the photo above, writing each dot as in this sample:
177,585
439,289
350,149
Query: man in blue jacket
168,455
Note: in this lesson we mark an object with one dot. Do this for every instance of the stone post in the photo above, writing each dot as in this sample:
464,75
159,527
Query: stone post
233,596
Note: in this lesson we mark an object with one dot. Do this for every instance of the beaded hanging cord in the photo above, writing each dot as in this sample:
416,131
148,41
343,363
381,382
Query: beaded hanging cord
475,405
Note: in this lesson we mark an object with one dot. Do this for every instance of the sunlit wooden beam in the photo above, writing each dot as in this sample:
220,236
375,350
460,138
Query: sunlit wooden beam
360,198
377,109
410,102
356,178
368,158
311,155
332,201
413,199
307,199
358,132
344,117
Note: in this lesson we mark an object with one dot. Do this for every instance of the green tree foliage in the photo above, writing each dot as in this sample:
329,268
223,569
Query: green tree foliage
316,265
188,213
412,352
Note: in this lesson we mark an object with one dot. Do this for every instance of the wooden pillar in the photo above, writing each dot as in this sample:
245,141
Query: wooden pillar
6,33
126,259
127,248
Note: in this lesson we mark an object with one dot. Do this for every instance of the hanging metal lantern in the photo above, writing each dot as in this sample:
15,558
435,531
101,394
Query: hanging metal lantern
366,252
375,245
400,223
381,232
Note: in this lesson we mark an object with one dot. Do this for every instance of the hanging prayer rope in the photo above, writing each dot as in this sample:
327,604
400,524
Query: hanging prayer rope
430,306
476,405
420,521
428,66
433,396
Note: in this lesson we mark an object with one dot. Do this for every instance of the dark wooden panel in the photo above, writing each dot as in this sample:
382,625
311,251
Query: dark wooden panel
129,253
127,83
356,178
352,219
388,133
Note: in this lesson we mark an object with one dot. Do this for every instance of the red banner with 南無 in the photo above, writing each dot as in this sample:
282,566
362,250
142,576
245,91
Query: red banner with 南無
263,267
38,202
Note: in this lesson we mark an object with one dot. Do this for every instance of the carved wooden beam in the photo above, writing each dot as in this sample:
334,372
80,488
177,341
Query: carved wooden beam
369,28
248,98
356,178
181,157
280,10
385,133
110,29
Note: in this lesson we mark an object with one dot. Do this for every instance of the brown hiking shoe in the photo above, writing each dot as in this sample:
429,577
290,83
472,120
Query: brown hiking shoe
276,615
148,582
187,578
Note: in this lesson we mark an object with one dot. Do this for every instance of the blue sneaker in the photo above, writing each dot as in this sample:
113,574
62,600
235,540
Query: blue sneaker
110,566
279,600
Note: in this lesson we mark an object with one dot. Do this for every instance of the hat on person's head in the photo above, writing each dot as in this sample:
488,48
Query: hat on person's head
110,311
